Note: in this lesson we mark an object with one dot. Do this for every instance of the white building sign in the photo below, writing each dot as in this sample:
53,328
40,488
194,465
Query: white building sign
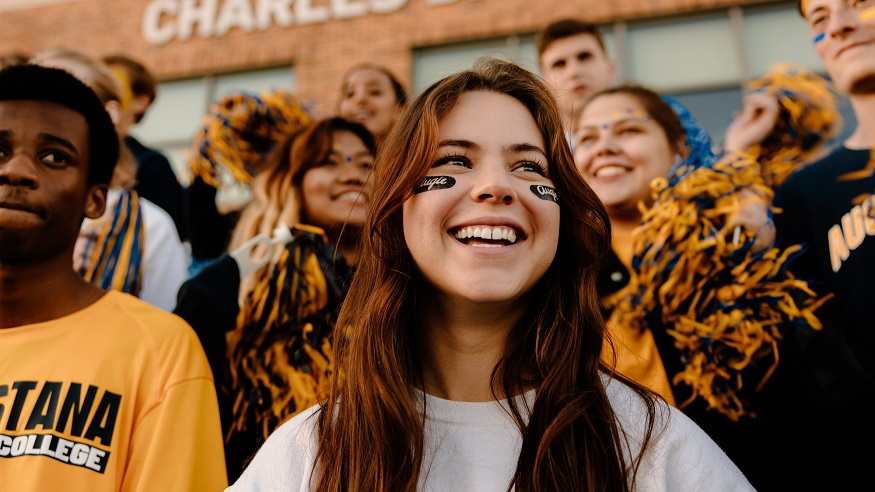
168,20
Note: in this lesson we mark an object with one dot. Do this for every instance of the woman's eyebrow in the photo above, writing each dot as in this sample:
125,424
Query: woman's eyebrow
465,144
526,147
515,148
617,121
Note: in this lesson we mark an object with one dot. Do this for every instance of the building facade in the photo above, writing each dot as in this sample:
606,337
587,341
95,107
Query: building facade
701,51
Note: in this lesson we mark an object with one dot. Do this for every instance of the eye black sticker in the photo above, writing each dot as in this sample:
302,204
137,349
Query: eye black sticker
429,183
545,193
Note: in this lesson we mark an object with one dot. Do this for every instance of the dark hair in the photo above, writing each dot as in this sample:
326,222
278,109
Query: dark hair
36,83
655,106
371,436
397,86
565,28
313,146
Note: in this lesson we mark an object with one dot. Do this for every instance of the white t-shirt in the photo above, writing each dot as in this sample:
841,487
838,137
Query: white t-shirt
165,260
475,446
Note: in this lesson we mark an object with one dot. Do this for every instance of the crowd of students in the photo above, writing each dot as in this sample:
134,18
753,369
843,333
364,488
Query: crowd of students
507,282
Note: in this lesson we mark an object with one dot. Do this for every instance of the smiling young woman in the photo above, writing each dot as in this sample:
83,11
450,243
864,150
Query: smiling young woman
277,320
626,137
472,358
373,96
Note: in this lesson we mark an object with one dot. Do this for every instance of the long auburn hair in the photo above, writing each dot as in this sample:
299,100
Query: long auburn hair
371,435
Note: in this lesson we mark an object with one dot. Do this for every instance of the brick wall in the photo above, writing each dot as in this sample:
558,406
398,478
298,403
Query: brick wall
321,51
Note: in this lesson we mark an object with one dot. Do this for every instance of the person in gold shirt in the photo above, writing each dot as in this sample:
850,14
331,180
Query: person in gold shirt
99,391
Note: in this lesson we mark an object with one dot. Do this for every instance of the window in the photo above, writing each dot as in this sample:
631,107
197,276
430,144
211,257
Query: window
713,109
434,63
777,34
682,54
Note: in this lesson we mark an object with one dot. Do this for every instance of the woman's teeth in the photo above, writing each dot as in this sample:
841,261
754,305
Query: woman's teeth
492,233
352,196
610,170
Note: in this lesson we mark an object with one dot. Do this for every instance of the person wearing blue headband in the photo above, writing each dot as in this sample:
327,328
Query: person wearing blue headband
694,259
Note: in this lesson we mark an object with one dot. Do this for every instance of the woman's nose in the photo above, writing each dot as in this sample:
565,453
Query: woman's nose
493,184
606,144
352,173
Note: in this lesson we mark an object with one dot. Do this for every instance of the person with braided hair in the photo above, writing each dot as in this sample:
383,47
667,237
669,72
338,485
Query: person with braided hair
265,311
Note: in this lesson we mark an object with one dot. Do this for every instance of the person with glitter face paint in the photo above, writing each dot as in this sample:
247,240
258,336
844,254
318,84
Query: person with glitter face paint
627,136
702,276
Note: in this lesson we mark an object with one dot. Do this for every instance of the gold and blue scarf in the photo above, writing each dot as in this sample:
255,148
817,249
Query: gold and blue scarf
112,258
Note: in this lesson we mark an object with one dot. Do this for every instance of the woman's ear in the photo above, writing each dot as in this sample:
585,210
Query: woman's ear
114,108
